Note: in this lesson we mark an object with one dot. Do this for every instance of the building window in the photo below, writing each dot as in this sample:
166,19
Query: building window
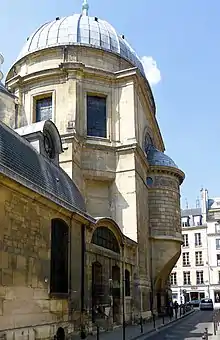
59,277
173,279
217,228
198,258
186,278
186,221
96,116
186,260
105,238
185,240
127,283
219,276
199,277
43,108
217,242
218,259
198,241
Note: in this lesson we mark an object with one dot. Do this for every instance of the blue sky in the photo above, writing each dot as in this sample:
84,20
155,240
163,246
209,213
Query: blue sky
183,38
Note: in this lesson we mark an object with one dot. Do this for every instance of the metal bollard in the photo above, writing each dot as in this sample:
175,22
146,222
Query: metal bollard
141,324
98,333
154,321
205,335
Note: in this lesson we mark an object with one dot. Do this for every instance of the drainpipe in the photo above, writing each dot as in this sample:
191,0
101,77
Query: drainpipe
123,292
82,297
83,250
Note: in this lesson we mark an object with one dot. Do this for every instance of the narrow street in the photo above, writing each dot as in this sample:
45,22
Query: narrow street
189,328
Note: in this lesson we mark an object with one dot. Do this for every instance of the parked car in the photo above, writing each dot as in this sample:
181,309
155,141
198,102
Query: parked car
194,303
206,304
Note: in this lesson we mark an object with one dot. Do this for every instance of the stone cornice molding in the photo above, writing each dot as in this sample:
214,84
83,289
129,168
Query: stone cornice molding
169,171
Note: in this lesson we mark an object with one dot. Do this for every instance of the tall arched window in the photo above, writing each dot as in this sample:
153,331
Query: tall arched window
59,278
105,238
127,283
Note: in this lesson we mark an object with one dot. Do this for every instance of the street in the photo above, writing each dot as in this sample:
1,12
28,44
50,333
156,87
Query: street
189,328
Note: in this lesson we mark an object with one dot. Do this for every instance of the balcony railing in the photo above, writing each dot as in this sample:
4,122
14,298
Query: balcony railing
200,263
186,264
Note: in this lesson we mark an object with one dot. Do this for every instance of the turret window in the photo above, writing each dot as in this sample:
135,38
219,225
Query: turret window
96,116
43,108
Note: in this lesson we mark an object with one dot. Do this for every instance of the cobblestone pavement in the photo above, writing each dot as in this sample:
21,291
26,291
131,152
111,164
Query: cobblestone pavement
190,328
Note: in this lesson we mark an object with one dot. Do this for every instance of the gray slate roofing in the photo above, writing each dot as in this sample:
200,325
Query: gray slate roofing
156,157
20,161
191,212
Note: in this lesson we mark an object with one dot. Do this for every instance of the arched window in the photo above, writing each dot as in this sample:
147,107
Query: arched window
105,238
59,278
127,283
148,142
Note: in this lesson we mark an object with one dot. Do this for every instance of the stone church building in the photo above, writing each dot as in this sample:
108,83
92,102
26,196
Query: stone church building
90,203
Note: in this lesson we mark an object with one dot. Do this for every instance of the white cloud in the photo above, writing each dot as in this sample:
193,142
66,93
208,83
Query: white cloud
152,72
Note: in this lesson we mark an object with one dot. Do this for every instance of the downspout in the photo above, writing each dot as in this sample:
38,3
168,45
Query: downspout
83,251
70,297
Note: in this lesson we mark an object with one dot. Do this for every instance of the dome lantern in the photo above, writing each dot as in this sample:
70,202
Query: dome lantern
85,8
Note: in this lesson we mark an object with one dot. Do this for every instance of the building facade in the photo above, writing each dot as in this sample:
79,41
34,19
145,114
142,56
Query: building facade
197,272
95,200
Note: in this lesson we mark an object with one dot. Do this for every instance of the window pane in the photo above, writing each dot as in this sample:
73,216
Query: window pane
96,116
59,280
43,109
105,238
217,243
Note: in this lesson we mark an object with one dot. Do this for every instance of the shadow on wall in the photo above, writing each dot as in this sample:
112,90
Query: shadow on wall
118,206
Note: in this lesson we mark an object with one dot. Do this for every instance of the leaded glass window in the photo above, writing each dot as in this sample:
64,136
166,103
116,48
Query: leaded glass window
96,116
59,277
43,109
105,238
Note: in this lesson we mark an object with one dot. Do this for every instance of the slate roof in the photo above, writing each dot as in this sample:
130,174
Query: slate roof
191,212
20,161
157,158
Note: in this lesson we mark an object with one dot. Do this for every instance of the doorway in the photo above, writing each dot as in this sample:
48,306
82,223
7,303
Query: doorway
116,293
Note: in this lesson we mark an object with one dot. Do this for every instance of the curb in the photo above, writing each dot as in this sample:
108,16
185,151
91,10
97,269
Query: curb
161,327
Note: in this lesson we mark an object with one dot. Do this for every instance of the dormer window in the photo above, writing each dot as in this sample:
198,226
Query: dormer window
185,221
96,116
43,108
48,145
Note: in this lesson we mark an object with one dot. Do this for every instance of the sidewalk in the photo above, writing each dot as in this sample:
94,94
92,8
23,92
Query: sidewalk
133,332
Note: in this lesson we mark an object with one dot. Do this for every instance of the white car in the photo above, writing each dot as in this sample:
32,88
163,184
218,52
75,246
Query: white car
206,304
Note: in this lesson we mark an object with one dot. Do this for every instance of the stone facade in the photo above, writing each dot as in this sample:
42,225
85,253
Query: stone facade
141,238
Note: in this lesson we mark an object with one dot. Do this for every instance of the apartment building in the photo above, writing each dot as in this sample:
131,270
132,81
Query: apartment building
197,273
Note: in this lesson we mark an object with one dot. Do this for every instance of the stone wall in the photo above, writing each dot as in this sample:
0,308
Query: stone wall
108,259
7,109
165,224
25,263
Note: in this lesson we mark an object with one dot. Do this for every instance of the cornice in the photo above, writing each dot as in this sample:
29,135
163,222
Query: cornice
169,171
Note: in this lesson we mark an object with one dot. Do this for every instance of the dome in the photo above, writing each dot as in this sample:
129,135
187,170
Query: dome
81,30
20,161
158,158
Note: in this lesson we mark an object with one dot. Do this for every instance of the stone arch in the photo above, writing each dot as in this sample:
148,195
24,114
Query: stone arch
113,226
50,129
147,134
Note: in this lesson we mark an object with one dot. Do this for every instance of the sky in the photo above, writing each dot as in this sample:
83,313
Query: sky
178,42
